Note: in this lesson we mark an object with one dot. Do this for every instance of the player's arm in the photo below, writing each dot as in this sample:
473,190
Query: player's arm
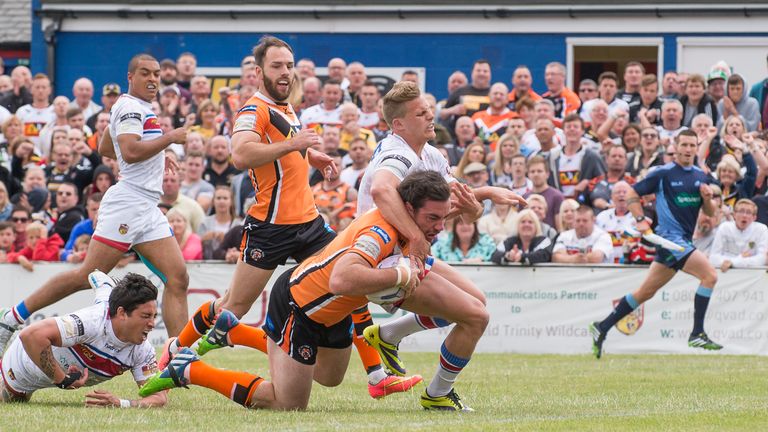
105,399
499,195
392,208
354,276
248,151
134,150
106,146
38,340
708,206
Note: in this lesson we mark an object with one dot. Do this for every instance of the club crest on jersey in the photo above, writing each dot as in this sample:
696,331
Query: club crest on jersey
257,254
305,351
631,323
151,123
123,229
11,375
383,234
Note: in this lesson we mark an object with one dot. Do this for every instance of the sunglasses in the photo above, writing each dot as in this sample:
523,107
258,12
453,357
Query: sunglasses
648,135
20,219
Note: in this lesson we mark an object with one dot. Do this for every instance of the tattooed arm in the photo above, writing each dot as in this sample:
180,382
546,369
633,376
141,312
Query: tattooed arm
37,340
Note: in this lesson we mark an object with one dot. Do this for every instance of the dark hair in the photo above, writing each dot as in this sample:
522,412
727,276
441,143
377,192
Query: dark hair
95,197
649,79
583,208
134,63
333,154
608,75
72,112
6,225
635,63
455,240
420,186
265,43
21,208
573,117
481,61
538,160
688,133
332,82
130,292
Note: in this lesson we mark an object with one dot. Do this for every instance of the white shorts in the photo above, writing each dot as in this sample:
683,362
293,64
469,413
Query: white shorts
20,373
128,218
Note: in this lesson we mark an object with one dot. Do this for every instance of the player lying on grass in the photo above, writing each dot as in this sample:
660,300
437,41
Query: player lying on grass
308,322
88,347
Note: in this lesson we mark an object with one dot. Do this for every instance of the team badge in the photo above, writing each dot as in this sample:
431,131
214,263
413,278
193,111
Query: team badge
11,375
631,323
256,254
123,229
305,352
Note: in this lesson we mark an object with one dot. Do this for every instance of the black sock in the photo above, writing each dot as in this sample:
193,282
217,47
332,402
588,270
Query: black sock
620,311
700,304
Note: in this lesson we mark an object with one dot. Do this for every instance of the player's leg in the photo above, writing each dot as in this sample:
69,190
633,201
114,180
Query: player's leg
291,382
229,331
165,256
698,266
471,318
658,275
100,256
331,365
8,395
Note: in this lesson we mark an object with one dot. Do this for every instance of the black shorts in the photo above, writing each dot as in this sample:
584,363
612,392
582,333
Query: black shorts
294,333
267,246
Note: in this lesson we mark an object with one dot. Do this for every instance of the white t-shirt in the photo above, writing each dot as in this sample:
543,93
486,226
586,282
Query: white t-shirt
396,156
615,105
569,171
742,248
669,134
530,145
317,115
88,340
616,226
369,120
349,175
33,120
599,240
134,116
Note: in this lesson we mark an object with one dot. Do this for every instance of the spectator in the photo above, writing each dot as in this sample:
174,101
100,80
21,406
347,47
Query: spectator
696,101
499,223
645,157
527,246
193,212
229,249
576,165
200,87
670,151
733,184
20,216
195,143
82,91
464,243
336,200
716,84
173,106
710,145
455,81
357,77
741,243
193,185
369,98
189,242
706,228
215,226
759,92
349,114
109,94
617,220
206,115
608,84
737,103
539,172
410,75
12,128
186,67
605,133
671,121
39,113
669,86
219,170
84,160
538,205
7,239
60,110
360,155
566,218
442,136
521,185
475,153
337,71
305,68
630,137
506,147
76,120
587,91
327,112
68,213
564,99
526,109
6,208
648,104
492,122
102,122
83,228
310,94
585,243
33,178
19,94
103,179
521,86
469,99
600,187
682,80
633,76
545,137
465,133
39,247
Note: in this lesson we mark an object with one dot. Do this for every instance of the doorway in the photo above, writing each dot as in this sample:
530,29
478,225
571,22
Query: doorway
589,57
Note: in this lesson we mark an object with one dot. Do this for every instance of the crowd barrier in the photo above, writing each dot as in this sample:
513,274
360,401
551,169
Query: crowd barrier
542,309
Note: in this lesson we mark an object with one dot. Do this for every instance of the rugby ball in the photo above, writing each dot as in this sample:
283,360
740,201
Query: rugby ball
393,294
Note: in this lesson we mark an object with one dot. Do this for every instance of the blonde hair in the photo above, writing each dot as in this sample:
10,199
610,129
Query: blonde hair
187,229
528,214
728,161
728,122
498,159
396,98
37,227
568,204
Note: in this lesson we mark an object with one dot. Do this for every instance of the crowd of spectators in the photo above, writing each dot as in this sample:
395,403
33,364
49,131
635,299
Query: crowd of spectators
573,153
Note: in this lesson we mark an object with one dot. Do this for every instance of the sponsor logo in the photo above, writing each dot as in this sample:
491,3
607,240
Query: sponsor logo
305,351
79,329
676,183
151,123
383,234
687,200
369,246
245,122
256,254
149,369
125,117
631,323
123,229
11,375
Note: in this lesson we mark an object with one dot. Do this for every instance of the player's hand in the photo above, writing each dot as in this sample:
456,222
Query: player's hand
171,166
725,266
101,399
643,226
706,191
81,381
189,120
305,139
409,271
464,201
323,163
178,136
419,249
505,196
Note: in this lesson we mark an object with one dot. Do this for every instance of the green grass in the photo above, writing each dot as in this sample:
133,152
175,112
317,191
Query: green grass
509,392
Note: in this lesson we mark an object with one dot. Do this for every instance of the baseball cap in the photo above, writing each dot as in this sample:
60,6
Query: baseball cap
170,88
111,89
716,74
473,168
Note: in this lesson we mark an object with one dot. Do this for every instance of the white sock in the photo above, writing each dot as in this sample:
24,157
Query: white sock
450,367
375,377
394,331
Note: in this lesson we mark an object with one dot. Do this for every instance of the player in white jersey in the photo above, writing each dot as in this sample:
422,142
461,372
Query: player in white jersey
409,116
128,216
89,346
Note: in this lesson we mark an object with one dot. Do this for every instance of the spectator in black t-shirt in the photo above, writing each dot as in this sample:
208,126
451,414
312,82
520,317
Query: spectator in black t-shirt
469,99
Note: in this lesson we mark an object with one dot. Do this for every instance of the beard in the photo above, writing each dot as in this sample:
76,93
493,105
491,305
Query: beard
271,89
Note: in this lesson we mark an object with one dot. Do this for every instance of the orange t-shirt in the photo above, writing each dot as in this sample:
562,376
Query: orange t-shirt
492,126
283,196
369,236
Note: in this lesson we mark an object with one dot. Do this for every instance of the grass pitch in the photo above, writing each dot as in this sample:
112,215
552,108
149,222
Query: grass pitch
509,392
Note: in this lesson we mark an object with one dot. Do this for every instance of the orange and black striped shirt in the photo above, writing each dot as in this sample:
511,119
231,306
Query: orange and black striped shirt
283,196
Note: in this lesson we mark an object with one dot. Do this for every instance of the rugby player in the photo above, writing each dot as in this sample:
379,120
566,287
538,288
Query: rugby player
89,346
283,223
681,190
308,320
128,216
